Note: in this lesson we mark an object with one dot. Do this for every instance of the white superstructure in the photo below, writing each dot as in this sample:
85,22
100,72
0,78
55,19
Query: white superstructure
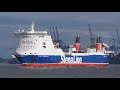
36,43
40,43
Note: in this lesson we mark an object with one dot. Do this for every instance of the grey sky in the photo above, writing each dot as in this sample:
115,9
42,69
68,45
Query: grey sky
69,25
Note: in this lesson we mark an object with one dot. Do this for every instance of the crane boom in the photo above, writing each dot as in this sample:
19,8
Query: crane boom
91,36
57,34
54,35
118,36
50,33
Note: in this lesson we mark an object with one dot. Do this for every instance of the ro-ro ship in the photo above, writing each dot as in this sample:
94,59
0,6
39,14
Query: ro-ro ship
36,49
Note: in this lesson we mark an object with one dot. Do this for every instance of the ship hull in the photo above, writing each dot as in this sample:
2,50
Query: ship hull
49,60
65,65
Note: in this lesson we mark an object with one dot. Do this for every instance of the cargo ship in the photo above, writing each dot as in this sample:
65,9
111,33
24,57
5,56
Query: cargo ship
37,49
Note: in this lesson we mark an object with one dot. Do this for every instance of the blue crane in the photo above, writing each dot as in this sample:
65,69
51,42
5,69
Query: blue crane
91,37
56,39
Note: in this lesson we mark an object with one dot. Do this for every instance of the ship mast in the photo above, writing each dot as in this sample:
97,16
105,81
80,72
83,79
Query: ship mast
32,26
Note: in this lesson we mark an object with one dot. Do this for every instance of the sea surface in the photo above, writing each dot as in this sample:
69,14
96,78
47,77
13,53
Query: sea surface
17,71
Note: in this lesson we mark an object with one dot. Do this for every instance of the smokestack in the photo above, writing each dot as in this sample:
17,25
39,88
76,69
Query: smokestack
77,43
99,44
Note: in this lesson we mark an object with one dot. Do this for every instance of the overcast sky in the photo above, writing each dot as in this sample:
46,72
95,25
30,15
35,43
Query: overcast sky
69,25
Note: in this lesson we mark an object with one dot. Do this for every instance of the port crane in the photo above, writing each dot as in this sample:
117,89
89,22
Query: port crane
118,36
118,39
56,39
91,37
115,44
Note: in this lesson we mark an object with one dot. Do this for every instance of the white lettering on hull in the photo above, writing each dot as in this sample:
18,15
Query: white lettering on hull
69,59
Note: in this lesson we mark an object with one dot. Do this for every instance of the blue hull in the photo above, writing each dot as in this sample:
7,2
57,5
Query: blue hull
63,59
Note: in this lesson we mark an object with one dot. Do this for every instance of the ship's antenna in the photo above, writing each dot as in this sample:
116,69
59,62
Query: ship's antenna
32,26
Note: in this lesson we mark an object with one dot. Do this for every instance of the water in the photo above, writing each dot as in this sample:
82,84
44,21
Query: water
17,71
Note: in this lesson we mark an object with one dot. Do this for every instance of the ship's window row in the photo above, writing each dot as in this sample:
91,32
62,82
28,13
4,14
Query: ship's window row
30,37
41,36
29,43
27,46
30,53
31,46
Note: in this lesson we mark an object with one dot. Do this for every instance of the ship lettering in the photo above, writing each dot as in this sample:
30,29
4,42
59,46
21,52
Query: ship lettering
71,59
27,42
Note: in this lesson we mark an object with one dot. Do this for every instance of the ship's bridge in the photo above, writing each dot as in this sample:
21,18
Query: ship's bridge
21,32
31,31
